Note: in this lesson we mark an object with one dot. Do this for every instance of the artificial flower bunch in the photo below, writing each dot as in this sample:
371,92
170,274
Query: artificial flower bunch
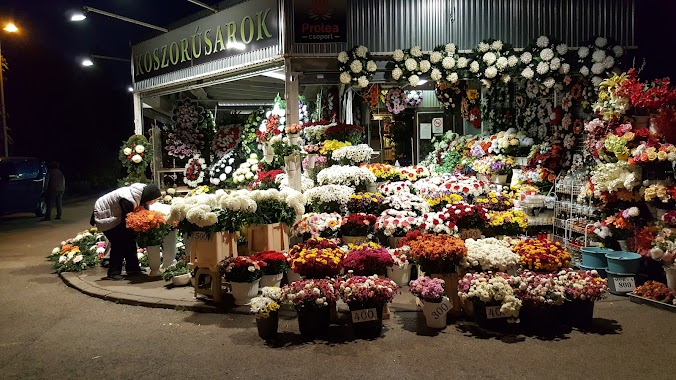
353,176
317,224
468,187
436,223
329,146
275,206
275,262
545,61
396,223
610,105
542,255
436,253
614,176
395,100
358,224
245,173
649,97
512,222
193,174
664,246
410,65
352,155
669,218
274,121
493,60
241,269
439,199
598,59
321,262
310,294
413,173
406,202
249,141
650,152
447,64
428,289
226,139
329,198
314,132
661,193
368,291
620,226
491,289
221,173
490,254
383,172
267,303
367,259
293,129
366,203
413,98
539,289
582,285
344,132
400,256
511,143
493,165
266,179
356,66
495,201
393,188
150,226
465,215
448,94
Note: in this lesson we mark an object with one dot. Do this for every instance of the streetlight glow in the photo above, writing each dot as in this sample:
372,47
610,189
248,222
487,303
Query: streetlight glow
79,16
87,62
11,28
130,89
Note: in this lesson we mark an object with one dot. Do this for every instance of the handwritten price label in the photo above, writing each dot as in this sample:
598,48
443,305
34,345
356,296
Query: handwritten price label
200,235
624,284
493,312
442,309
364,315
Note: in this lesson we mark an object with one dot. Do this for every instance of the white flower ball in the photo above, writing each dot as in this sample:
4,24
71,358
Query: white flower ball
599,55
356,67
598,68
618,51
564,69
56,250
345,77
600,42
435,75
583,52
413,80
584,70
249,175
462,62
448,63
453,78
398,55
361,51
396,73
505,78
526,57
609,62
223,177
136,159
527,73
126,151
450,48
425,66
512,60
542,68
371,66
140,149
483,47
549,82
171,191
490,58
596,81
362,81
435,57
555,63
502,63
496,45
416,51
562,49
411,64
474,67
343,57
228,170
491,72
542,41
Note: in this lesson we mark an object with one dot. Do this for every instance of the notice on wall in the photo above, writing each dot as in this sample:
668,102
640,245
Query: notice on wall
425,131
438,125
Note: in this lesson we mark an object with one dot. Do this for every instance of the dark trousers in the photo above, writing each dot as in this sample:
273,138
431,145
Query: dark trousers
54,197
122,247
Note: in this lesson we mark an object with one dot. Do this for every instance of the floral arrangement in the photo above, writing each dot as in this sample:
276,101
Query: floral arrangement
221,173
669,219
511,143
493,165
439,199
262,306
358,224
186,137
656,291
275,262
366,203
135,155
274,121
394,188
413,98
490,289
545,61
406,202
316,262
314,294
609,104
644,153
490,254
447,64
356,67
465,215
598,59
413,173
266,179
316,225
428,289
367,291
410,65
226,139
330,145
660,193
83,251
620,226
353,176
193,174
150,226
448,94
241,269
367,259
493,60
513,222
582,285
400,256
494,201
396,223
436,253
276,206
344,132
211,213
383,172
539,289
542,255
329,198
314,132
395,100
611,177
293,129
352,155
313,149
436,223
647,96
246,172
664,246
249,129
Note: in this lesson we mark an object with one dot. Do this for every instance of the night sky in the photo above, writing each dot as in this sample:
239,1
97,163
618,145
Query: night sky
58,110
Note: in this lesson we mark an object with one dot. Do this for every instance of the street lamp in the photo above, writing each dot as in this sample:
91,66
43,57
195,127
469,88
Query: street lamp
89,60
9,28
80,16
86,62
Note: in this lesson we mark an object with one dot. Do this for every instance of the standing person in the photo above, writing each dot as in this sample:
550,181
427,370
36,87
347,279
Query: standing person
110,212
55,185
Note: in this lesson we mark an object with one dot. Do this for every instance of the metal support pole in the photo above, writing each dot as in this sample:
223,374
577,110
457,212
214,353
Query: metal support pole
201,4
291,94
138,114
5,135
126,19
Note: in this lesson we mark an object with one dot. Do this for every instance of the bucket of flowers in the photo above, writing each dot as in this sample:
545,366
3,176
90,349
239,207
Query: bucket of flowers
367,259
276,211
470,219
492,298
314,225
151,228
542,299
312,300
317,258
366,203
394,225
507,223
432,294
357,228
265,308
366,297
329,198
400,271
490,254
582,289
244,275
276,265
542,255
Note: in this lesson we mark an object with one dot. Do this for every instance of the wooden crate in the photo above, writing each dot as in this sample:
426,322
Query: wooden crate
268,237
207,250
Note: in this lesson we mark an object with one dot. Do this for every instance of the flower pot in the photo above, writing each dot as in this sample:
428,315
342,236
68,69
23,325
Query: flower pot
623,262
500,179
431,311
394,241
169,249
399,275
267,327
292,276
366,323
268,152
311,161
243,292
595,257
541,318
313,322
621,284
671,277
623,245
578,313
180,280
488,315
470,233
355,239
271,280
294,138
154,260
451,290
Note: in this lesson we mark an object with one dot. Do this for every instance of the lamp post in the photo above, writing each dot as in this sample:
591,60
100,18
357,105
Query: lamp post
76,17
9,28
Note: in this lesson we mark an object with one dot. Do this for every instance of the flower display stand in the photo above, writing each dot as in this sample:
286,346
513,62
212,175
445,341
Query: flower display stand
154,260
207,250
209,283
470,233
169,249
451,290
268,237
355,239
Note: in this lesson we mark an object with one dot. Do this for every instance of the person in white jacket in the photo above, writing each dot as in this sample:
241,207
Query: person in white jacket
110,212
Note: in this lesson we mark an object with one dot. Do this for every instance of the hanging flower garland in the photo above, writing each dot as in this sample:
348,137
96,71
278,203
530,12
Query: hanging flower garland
249,136
410,65
395,100
193,175
226,139
598,59
449,66
413,98
448,94
544,60
356,66
188,134
493,60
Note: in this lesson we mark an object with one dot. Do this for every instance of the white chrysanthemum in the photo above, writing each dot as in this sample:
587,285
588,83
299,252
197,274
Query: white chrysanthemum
413,80
411,64
527,73
448,63
496,45
474,67
483,47
501,63
549,82
609,62
136,159
462,62
562,49
490,58
618,51
564,69
140,149
600,42
396,73
425,66
486,83
435,75
505,78
583,52
584,70
542,68
436,57
127,151
371,66
512,60
596,81
356,67
598,68
453,78
599,55
542,41
398,55
416,51
547,54
345,77
361,51
555,63
343,57
450,48
491,72
362,81
526,57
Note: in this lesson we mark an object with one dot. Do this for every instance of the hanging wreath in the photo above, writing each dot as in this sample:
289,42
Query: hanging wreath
544,61
188,134
395,100
193,174
448,94
469,108
598,59
414,98
493,60
371,96
356,66
448,65
226,139
135,155
220,174
410,65
253,122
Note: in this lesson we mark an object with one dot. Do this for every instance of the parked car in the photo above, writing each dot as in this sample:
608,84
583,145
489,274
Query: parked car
22,185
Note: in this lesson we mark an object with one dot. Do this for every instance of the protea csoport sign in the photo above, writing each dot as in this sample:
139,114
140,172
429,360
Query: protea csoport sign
246,27
318,21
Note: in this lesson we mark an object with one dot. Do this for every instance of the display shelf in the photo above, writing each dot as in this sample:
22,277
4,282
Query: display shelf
572,219
654,303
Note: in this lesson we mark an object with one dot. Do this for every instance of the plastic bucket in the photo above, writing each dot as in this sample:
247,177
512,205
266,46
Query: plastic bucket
623,262
601,271
620,283
595,257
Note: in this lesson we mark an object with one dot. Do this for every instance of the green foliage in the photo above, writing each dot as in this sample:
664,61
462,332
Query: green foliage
180,268
135,155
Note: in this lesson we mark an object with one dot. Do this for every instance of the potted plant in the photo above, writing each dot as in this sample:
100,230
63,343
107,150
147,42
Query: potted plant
664,248
431,292
542,298
582,288
313,225
275,265
356,228
492,296
366,297
244,274
329,198
265,308
178,274
542,255
490,254
276,211
150,228
317,258
394,225
400,272
312,300
367,259
508,223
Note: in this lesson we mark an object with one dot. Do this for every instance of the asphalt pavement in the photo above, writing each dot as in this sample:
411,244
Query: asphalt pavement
51,331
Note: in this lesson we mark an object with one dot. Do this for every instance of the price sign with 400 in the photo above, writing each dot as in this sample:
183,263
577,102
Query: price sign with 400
364,315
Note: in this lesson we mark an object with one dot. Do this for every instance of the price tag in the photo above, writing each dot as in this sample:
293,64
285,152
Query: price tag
442,308
493,312
200,235
624,284
364,315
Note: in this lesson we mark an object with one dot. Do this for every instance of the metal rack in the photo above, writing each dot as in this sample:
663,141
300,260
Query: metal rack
572,220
